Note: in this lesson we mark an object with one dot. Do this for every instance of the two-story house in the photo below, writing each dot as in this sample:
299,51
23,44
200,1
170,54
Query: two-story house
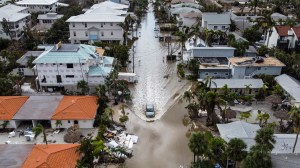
247,67
39,6
45,21
280,37
63,65
216,21
91,27
17,18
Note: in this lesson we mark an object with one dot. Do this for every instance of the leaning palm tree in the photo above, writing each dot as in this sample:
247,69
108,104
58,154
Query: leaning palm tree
183,36
236,150
38,130
295,116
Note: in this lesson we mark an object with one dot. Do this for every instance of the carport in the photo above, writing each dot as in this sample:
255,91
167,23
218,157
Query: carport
37,109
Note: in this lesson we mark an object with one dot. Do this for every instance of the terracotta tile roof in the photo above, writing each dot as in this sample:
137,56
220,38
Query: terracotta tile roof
297,31
76,108
52,156
10,105
282,30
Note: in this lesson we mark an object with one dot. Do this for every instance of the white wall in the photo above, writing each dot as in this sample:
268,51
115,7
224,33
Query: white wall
16,29
41,8
219,26
11,123
69,123
83,33
240,72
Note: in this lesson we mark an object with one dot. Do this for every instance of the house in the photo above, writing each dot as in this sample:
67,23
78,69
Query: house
199,52
278,17
23,61
75,110
215,21
216,67
92,27
239,86
177,9
182,1
247,67
280,37
291,88
63,65
247,132
37,109
52,155
189,19
9,106
39,6
45,21
14,155
112,5
243,22
17,18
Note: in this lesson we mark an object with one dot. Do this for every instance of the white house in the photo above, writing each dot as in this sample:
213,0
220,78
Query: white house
63,65
215,21
45,21
247,67
91,27
17,18
291,88
23,61
189,19
75,110
42,6
280,37
112,5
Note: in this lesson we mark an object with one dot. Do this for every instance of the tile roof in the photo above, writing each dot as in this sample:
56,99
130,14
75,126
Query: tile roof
10,105
282,30
76,108
297,31
52,156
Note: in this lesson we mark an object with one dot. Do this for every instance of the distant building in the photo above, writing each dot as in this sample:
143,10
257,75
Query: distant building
17,18
215,21
23,68
45,21
35,6
63,65
189,19
247,67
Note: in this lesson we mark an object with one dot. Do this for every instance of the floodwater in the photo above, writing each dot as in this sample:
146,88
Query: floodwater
151,68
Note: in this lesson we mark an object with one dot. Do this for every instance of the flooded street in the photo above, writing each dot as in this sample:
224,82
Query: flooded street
151,67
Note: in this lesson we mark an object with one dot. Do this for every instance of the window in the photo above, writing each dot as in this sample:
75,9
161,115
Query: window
112,33
102,34
215,27
69,65
58,79
101,25
54,64
215,73
226,73
111,24
69,121
74,33
69,76
86,33
259,68
206,73
85,24
223,27
73,24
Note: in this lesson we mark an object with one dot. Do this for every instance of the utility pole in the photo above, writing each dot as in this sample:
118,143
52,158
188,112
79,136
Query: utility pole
133,51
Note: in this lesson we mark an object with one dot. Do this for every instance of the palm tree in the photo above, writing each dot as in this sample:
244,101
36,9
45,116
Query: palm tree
98,147
183,36
86,150
245,116
38,130
4,124
188,96
83,86
198,144
192,110
295,116
247,88
110,112
258,156
236,150
58,123
101,90
265,136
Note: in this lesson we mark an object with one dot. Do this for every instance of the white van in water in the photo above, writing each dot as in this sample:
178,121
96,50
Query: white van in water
150,110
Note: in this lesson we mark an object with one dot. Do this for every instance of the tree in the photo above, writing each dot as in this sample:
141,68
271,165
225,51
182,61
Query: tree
86,150
6,88
110,112
258,156
98,147
252,34
198,144
236,150
193,66
180,70
16,80
38,130
188,96
183,36
245,116
295,116
217,150
83,86
58,123
265,137
4,124
123,119
6,29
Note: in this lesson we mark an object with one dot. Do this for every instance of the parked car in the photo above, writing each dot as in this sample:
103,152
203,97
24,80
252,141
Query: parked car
150,110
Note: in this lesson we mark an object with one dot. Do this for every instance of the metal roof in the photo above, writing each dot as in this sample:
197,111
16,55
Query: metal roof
12,13
99,71
290,85
14,155
238,83
38,108
49,16
96,17
106,10
36,2
110,4
215,18
68,53
24,59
